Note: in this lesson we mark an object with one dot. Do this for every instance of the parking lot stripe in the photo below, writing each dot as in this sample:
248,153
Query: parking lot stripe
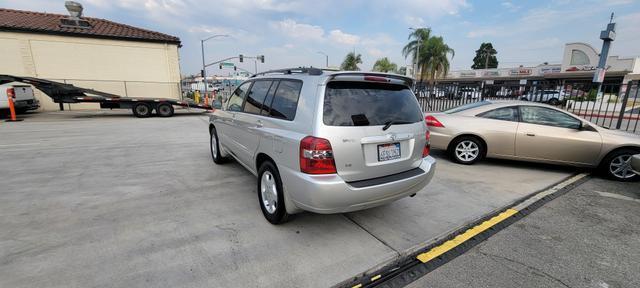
446,246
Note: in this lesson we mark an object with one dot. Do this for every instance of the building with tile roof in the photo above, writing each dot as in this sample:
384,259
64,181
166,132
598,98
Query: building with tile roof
89,52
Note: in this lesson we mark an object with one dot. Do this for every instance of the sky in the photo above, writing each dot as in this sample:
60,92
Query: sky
291,33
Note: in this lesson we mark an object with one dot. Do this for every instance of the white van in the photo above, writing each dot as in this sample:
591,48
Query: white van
23,98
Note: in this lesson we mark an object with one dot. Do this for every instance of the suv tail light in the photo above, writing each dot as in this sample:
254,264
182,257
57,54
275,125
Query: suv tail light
11,93
427,145
316,156
432,121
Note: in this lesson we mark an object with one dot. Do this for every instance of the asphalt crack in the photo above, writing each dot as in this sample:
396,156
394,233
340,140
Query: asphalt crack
537,271
372,235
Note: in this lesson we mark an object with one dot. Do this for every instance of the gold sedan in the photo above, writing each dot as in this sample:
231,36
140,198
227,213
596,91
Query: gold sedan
531,132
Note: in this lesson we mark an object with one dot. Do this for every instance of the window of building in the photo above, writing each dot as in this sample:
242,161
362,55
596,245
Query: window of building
579,58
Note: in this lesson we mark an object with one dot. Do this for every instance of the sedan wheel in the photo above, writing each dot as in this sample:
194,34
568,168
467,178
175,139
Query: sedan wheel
467,150
617,165
620,167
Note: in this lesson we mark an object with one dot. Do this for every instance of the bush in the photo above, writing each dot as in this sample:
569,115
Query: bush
591,96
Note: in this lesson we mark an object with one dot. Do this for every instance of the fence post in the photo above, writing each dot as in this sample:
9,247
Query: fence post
624,104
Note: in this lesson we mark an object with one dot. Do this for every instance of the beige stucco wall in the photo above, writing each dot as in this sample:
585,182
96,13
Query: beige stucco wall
126,68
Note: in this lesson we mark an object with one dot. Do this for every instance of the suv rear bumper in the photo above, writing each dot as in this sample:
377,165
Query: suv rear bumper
327,194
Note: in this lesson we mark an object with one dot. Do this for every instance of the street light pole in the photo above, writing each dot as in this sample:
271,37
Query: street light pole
415,59
204,67
326,57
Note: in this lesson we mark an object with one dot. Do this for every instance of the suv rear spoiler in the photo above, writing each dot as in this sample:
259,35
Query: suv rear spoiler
371,77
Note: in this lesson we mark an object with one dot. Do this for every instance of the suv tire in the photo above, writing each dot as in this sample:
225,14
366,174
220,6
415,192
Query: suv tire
215,147
466,150
270,194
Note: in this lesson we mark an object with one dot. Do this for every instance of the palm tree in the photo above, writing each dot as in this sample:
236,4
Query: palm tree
434,62
384,65
351,62
418,40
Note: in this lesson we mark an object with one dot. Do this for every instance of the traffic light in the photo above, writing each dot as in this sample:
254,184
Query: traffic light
235,68
261,58
220,66
202,73
241,58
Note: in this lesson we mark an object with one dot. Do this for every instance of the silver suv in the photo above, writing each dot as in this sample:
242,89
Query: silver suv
325,141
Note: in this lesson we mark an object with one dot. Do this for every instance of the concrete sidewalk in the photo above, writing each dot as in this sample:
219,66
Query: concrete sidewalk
590,237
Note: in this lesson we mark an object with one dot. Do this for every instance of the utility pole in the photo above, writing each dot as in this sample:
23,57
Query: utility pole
417,55
203,73
326,58
486,58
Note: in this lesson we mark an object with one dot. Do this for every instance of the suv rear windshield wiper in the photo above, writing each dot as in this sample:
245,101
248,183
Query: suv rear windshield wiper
389,123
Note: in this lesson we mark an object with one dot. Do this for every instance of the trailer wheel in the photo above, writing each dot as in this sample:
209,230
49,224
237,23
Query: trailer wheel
142,110
164,110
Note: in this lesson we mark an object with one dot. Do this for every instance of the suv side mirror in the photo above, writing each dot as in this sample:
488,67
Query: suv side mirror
217,104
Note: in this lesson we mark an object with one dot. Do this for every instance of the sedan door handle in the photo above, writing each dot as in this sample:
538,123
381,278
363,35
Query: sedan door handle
531,134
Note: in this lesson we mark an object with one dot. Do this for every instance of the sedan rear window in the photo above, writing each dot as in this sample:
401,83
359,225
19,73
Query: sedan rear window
466,107
369,104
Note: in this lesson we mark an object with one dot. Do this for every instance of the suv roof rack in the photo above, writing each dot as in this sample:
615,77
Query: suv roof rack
287,71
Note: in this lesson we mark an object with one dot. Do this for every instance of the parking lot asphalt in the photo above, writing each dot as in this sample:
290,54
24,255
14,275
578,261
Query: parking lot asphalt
103,199
589,237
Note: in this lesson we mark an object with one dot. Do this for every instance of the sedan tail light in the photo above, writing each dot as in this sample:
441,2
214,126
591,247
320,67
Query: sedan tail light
316,156
432,121
427,145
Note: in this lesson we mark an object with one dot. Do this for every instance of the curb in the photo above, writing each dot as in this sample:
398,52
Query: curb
413,266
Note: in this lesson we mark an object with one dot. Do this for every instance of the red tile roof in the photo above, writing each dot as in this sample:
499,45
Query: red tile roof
37,22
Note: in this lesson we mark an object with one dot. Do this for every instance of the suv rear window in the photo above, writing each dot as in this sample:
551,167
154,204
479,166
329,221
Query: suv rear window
369,104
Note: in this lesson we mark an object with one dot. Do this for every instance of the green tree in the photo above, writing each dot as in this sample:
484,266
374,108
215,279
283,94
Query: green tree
384,65
417,41
485,57
434,61
429,52
351,62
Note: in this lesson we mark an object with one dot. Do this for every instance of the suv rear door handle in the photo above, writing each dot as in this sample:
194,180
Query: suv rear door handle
531,134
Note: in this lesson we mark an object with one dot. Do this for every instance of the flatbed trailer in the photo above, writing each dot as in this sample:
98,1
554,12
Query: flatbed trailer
67,93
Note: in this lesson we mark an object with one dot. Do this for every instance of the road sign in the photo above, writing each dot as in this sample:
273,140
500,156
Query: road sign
227,64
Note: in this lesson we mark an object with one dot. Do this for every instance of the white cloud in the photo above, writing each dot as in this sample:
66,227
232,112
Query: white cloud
414,21
510,6
293,29
375,52
343,38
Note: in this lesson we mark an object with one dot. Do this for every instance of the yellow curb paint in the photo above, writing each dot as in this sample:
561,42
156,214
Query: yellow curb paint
446,246
374,278
357,286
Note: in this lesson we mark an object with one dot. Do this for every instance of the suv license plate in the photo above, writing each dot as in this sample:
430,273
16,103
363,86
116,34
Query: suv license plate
389,151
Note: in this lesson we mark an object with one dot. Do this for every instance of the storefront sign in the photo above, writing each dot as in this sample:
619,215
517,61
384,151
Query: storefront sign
468,74
520,72
546,70
490,73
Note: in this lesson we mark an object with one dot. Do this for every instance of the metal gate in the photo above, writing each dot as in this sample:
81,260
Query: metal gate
616,106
